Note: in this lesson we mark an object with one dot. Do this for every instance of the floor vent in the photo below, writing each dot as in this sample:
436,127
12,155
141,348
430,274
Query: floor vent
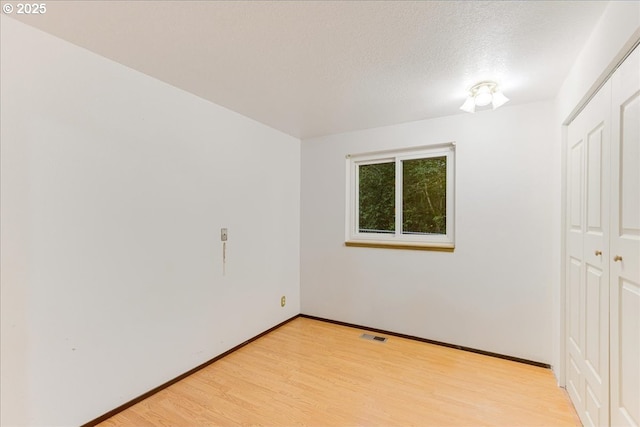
373,337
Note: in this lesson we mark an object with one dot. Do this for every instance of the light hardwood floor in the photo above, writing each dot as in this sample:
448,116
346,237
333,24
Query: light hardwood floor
311,373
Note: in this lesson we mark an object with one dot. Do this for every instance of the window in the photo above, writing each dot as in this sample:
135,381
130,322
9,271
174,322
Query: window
401,198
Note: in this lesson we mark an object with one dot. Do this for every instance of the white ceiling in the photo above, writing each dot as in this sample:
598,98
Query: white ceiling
311,68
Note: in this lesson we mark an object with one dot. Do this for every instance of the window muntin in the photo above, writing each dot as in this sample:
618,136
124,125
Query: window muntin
403,196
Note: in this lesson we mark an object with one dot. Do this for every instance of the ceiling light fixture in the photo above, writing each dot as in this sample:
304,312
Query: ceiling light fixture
483,94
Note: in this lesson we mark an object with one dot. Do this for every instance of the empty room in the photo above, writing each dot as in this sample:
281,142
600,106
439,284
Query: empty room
320,213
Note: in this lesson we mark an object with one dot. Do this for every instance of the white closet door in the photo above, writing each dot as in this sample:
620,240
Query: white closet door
625,244
588,172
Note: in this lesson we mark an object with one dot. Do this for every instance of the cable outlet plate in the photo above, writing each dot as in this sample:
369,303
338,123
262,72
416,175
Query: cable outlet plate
223,234
283,301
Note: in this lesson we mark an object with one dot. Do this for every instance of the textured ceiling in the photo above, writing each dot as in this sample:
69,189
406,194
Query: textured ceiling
320,67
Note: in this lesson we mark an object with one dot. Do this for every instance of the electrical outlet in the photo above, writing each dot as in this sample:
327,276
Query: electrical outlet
223,234
283,301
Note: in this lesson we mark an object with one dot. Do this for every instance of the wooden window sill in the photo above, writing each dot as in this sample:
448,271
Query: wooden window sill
416,246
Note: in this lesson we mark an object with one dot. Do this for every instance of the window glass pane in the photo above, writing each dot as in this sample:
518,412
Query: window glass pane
424,196
377,198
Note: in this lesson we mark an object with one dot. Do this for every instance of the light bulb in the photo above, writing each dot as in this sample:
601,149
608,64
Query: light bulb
483,96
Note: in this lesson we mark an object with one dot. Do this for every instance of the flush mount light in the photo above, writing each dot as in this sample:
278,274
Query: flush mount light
483,94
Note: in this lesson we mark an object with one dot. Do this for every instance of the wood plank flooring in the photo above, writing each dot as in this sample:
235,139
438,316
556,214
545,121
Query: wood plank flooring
312,373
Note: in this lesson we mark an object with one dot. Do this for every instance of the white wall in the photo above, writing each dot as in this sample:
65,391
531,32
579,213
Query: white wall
114,190
494,292
615,34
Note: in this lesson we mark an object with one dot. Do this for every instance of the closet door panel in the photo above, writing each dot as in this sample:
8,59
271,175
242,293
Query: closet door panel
597,323
575,307
596,248
575,328
629,173
625,245
596,157
587,267
625,396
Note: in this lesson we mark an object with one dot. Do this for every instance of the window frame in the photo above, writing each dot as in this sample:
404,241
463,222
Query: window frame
353,237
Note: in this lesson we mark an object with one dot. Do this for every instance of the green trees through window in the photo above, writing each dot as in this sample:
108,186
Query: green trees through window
424,196
377,198
402,198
